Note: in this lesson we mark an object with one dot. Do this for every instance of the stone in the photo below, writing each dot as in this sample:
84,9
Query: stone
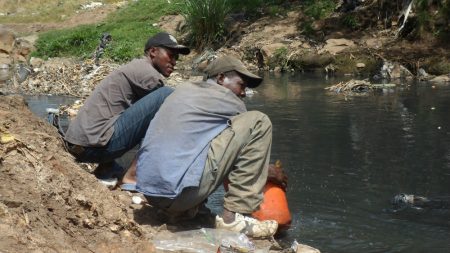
5,59
7,40
36,62
172,24
268,51
302,248
399,71
360,65
23,47
335,46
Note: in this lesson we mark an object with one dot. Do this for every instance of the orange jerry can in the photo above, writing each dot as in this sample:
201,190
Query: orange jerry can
275,205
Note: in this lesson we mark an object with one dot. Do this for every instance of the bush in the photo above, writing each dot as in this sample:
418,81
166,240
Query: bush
319,9
206,21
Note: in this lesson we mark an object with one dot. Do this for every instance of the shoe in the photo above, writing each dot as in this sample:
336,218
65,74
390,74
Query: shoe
109,182
109,170
249,226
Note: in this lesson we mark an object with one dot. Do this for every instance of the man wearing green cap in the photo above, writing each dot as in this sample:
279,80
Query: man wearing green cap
116,115
203,134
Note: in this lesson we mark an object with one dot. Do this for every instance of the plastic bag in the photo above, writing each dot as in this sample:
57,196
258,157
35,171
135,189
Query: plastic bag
205,240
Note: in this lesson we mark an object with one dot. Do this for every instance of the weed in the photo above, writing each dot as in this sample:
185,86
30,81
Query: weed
206,21
350,21
280,58
319,9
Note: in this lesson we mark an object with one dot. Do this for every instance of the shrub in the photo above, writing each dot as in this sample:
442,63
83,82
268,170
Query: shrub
206,21
319,9
350,21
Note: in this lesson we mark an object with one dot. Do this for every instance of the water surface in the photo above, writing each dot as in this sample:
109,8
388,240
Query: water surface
347,157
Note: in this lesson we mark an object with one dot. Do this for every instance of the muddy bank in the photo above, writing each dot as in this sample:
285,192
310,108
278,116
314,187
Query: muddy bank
48,202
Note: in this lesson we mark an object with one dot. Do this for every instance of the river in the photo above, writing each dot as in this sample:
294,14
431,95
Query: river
346,157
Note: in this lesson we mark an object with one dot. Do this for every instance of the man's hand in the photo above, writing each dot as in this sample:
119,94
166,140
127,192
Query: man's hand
277,176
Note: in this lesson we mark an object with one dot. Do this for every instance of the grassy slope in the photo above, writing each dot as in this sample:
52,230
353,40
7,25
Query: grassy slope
129,27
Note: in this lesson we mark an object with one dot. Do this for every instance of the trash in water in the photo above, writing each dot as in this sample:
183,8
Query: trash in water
206,240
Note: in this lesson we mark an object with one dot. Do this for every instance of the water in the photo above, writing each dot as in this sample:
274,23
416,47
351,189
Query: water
39,103
346,158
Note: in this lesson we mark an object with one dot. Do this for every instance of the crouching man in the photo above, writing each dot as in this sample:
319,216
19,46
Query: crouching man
203,134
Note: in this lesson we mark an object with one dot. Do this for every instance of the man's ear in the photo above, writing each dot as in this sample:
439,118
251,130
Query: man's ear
220,78
151,52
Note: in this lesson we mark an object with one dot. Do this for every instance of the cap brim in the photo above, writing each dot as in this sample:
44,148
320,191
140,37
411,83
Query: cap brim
253,80
180,49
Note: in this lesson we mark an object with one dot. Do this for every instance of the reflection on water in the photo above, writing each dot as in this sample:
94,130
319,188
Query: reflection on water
347,157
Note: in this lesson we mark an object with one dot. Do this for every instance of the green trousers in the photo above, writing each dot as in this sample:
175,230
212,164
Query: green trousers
241,152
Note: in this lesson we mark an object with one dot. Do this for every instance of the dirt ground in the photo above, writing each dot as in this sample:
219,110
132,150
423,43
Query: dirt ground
83,17
48,203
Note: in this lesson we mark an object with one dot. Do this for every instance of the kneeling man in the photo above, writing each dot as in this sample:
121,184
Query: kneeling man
203,134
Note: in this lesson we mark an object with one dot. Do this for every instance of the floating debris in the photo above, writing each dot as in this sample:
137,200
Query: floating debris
357,87
352,86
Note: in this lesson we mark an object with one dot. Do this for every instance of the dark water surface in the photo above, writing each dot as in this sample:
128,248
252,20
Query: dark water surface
346,158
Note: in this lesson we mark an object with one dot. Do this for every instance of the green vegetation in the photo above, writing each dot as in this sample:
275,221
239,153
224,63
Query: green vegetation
350,21
129,27
206,18
428,19
280,58
319,9
206,21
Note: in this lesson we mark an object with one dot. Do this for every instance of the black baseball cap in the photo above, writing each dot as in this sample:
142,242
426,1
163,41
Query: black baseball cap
229,63
164,39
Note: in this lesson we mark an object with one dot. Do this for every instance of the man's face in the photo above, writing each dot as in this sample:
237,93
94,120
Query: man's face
234,82
163,59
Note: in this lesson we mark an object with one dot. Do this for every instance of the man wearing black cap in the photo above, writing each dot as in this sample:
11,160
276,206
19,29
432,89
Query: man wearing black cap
201,135
116,115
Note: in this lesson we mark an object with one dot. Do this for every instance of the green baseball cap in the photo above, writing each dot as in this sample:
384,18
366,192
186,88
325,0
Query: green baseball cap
229,63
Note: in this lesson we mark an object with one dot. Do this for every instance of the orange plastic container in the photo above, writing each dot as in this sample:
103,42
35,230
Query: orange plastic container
274,207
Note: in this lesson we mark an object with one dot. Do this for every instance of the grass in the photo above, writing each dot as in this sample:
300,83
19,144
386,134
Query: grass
319,9
129,27
206,21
